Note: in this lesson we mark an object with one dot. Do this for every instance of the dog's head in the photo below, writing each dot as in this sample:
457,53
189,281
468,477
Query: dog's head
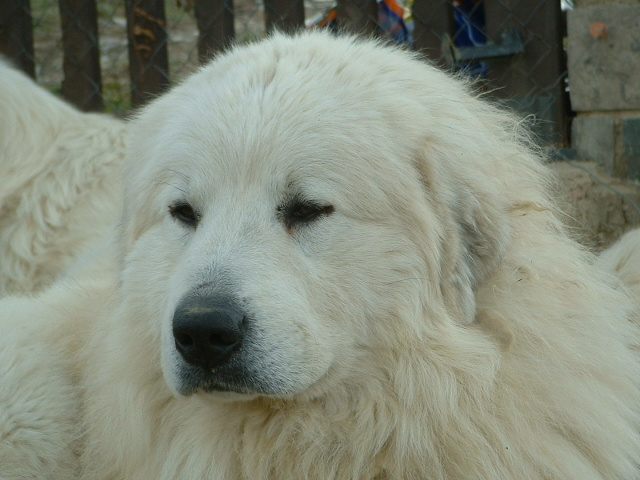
302,207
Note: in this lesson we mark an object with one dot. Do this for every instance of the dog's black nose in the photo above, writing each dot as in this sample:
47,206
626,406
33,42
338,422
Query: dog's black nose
207,330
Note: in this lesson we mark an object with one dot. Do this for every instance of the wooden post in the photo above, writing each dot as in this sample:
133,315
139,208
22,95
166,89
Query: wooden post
285,15
432,19
147,37
533,81
215,26
82,83
16,34
358,16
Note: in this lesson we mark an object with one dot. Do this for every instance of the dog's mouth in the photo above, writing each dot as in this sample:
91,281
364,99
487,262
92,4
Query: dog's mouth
236,376
192,380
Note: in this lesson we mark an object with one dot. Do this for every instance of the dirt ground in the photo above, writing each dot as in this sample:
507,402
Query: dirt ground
599,207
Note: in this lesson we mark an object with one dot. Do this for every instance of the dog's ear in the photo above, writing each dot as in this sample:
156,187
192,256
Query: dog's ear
142,181
476,227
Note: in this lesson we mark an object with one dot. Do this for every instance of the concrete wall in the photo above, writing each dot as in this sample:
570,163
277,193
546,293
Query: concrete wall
604,83
594,3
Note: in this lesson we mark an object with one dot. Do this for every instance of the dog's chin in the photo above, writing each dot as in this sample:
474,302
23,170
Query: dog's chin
214,388
224,397
225,383
217,394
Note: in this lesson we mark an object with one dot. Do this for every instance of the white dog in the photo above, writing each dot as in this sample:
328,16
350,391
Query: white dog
61,179
334,263
623,259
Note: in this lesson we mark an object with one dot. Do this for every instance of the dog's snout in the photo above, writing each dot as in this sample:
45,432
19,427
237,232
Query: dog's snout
207,331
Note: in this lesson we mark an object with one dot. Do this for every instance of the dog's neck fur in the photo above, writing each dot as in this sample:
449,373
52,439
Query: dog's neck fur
453,395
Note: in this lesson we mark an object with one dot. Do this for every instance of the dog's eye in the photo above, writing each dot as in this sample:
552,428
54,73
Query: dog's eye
304,212
185,214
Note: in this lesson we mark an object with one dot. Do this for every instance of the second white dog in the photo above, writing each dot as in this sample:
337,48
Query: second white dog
61,182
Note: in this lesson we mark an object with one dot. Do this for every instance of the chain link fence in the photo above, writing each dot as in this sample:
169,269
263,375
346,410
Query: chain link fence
113,55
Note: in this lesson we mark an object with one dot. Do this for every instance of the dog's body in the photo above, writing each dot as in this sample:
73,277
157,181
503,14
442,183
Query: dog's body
334,263
61,182
623,259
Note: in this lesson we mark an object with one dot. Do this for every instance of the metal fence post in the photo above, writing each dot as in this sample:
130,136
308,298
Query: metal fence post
432,19
82,83
358,16
16,33
285,15
215,26
532,81
147,37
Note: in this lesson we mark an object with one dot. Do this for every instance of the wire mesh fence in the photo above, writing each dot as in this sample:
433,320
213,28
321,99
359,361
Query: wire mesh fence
114,55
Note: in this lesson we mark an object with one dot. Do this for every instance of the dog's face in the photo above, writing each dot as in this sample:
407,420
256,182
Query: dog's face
282,229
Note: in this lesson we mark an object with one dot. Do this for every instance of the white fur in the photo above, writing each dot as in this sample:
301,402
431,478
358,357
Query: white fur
60,172
623,259
439,324
38,401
